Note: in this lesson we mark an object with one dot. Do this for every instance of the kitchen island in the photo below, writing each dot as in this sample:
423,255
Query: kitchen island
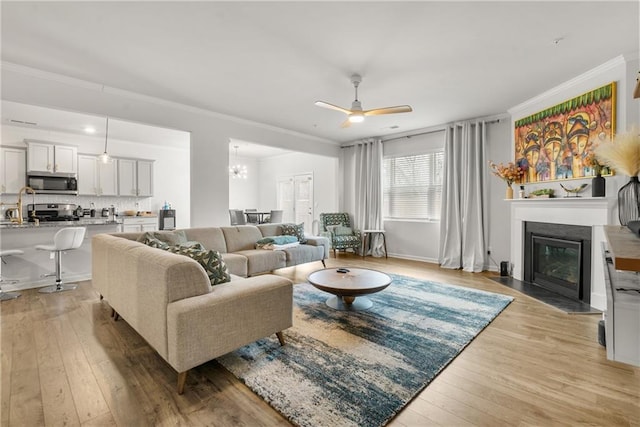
29,269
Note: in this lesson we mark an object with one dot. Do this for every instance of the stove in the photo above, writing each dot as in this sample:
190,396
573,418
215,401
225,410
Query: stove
48,212
46,218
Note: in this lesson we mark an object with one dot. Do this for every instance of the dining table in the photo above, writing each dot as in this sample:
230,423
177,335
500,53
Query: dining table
259,216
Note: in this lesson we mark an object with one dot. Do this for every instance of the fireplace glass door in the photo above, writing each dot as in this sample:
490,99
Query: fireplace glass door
557,265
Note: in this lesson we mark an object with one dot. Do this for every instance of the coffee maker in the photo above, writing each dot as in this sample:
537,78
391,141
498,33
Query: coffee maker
167,219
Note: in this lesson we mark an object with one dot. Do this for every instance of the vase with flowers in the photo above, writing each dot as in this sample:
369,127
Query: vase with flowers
598,183
509,173
623,155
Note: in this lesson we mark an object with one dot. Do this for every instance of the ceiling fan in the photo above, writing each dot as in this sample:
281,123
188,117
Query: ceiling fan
356,114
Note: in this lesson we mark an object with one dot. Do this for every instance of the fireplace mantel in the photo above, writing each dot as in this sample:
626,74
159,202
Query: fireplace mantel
589,211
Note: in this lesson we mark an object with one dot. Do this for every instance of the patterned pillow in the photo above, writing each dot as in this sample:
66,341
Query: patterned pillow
149,240
294,230
211,261
172,238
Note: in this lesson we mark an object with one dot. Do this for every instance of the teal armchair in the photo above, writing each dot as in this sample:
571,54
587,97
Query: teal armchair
337,228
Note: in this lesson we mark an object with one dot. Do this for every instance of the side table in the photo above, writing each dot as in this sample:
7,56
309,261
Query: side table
366,237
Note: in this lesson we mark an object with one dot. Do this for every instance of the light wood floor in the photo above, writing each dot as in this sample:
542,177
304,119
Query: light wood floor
65,362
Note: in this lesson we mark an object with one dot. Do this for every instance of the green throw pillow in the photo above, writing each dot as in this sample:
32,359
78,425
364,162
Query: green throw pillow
149,240
211,261
294,230
341,230
171,238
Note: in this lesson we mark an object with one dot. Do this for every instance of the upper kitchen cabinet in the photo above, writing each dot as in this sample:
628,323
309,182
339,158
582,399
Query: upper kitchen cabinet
14,169
49,158
96,178
135,177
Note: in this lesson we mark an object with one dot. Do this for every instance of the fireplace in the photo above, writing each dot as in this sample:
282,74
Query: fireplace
557,257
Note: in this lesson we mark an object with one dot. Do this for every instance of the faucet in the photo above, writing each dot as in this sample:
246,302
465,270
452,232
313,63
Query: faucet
26,188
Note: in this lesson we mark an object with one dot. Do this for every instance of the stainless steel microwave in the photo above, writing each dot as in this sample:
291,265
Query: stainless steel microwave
53,184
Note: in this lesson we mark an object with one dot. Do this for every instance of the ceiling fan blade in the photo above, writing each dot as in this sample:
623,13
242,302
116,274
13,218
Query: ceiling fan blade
345,124
389,110
332,107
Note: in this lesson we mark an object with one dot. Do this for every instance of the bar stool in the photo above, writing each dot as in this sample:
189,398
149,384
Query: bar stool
4,296
64,240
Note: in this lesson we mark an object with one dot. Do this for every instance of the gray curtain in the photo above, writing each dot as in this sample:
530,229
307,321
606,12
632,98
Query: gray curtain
462,225
365,175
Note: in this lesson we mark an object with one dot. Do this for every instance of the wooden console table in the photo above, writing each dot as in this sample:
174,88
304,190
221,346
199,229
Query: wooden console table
622,277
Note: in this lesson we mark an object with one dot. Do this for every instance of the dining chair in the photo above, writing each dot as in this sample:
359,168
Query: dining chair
275,217
251,218
240,218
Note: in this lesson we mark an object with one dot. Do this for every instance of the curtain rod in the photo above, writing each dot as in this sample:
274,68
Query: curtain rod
426,132
432,131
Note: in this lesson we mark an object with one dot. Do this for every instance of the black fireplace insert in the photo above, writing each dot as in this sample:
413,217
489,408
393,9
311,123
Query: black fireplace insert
557,257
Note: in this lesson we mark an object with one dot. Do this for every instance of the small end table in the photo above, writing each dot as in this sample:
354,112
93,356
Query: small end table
366,237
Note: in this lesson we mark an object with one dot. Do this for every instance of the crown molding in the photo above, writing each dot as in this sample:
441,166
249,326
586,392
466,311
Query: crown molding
83,84
558,90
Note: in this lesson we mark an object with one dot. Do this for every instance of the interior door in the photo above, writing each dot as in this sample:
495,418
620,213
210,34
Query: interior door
303,197
285,201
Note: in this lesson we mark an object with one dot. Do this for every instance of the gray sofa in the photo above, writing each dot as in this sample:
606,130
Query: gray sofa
168,298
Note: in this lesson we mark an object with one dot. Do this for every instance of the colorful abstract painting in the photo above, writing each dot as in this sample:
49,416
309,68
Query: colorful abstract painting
558,143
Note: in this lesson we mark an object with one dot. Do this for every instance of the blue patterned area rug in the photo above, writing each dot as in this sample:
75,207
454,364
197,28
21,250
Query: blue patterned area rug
361,368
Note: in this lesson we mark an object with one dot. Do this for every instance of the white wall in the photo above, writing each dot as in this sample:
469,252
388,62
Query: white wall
325,179
243,193
499,149
171,170
413,239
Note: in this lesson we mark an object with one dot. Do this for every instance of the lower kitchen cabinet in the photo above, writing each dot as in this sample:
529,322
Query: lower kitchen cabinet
137,224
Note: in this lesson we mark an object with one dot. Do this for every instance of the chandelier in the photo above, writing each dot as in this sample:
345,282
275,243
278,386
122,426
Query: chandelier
238,171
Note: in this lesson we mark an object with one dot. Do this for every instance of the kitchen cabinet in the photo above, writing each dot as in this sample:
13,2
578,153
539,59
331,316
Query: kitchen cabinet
137,224
48,158
135,177
14,172
96,178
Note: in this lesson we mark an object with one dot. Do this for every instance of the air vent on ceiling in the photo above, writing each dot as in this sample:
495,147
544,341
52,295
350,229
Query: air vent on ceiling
22,122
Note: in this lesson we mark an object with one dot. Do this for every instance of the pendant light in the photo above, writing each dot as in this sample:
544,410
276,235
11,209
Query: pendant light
104,157
238,171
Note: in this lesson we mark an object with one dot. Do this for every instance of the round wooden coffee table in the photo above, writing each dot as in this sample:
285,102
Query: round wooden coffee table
349,285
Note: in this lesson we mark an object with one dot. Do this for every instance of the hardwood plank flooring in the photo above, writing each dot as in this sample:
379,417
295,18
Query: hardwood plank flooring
64,361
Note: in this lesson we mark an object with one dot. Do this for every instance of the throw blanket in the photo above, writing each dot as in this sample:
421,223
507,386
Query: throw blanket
274,247
277,242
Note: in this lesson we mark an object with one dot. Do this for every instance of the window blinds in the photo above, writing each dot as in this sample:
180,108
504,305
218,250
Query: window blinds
413,186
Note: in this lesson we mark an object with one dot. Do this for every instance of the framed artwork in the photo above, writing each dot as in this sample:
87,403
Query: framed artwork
557,143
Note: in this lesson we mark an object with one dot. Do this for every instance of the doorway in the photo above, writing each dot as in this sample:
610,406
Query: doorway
295,198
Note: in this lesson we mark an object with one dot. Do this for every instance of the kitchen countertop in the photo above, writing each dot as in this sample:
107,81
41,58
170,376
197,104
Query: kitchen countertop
80,222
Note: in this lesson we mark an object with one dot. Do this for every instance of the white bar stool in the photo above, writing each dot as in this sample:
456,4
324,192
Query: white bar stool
64,240
4,296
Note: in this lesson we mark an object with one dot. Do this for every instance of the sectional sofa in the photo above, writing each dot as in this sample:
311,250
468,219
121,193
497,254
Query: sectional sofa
169,300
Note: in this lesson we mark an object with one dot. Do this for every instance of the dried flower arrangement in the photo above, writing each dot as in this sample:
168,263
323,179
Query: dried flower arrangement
591,161
621,154
509,172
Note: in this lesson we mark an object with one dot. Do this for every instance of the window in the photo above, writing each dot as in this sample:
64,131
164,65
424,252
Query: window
413,186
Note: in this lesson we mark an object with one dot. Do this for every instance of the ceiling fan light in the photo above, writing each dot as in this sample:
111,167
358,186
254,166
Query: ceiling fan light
356,118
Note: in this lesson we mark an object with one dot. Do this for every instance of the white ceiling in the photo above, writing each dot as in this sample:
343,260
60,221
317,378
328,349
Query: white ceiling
269,61
32,116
